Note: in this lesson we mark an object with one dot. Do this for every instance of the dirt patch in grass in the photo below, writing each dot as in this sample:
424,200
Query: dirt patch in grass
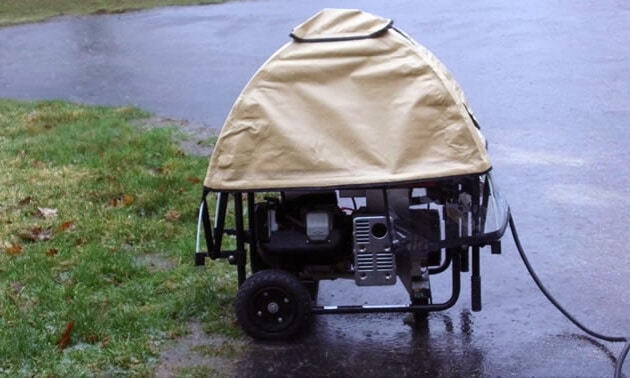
200,354
196,139
154,262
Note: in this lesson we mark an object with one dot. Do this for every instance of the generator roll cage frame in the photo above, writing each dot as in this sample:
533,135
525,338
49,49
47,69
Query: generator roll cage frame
455,247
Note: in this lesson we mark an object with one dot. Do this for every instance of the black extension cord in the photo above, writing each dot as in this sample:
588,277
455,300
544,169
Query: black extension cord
624,352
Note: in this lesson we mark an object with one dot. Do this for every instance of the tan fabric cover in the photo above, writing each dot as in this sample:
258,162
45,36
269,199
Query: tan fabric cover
349,112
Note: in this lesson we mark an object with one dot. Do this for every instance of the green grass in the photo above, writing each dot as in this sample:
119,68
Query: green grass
21,11
116,259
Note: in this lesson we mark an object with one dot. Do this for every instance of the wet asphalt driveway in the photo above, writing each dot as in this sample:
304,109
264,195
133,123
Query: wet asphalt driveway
549,82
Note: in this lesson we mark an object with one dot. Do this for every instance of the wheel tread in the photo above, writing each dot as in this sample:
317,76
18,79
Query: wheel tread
277,279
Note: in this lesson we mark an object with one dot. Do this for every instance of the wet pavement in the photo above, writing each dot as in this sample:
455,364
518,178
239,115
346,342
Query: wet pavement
550,84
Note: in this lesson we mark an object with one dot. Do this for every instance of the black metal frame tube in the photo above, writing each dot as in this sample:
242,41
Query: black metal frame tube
358,309
220,223
251,220
207,227
240,236
445,264
475,280
475,277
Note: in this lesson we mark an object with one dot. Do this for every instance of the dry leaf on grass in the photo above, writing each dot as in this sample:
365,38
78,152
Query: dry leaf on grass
13,249
120,201
193,179
36,234
46,213
64,226
64,340
25,201
172,216
52,252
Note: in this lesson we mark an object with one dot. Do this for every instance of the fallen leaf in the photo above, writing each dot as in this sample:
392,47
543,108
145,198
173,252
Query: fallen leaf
36,234
172,216
193,179
25,201
64,340
120,201
46,213
52,252
79,242
127,200
64,226
13,250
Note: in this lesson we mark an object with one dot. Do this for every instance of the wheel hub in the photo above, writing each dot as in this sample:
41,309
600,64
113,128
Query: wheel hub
273,307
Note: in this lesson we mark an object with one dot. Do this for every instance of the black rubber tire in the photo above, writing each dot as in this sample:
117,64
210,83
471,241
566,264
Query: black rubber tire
273,305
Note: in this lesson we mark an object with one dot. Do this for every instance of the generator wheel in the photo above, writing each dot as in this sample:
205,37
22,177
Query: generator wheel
273,305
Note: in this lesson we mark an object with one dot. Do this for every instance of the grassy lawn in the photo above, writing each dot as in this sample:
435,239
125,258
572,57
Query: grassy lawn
97,226
21,11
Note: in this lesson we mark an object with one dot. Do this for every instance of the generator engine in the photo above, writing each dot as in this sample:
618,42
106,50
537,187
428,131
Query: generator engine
347,234
301,231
